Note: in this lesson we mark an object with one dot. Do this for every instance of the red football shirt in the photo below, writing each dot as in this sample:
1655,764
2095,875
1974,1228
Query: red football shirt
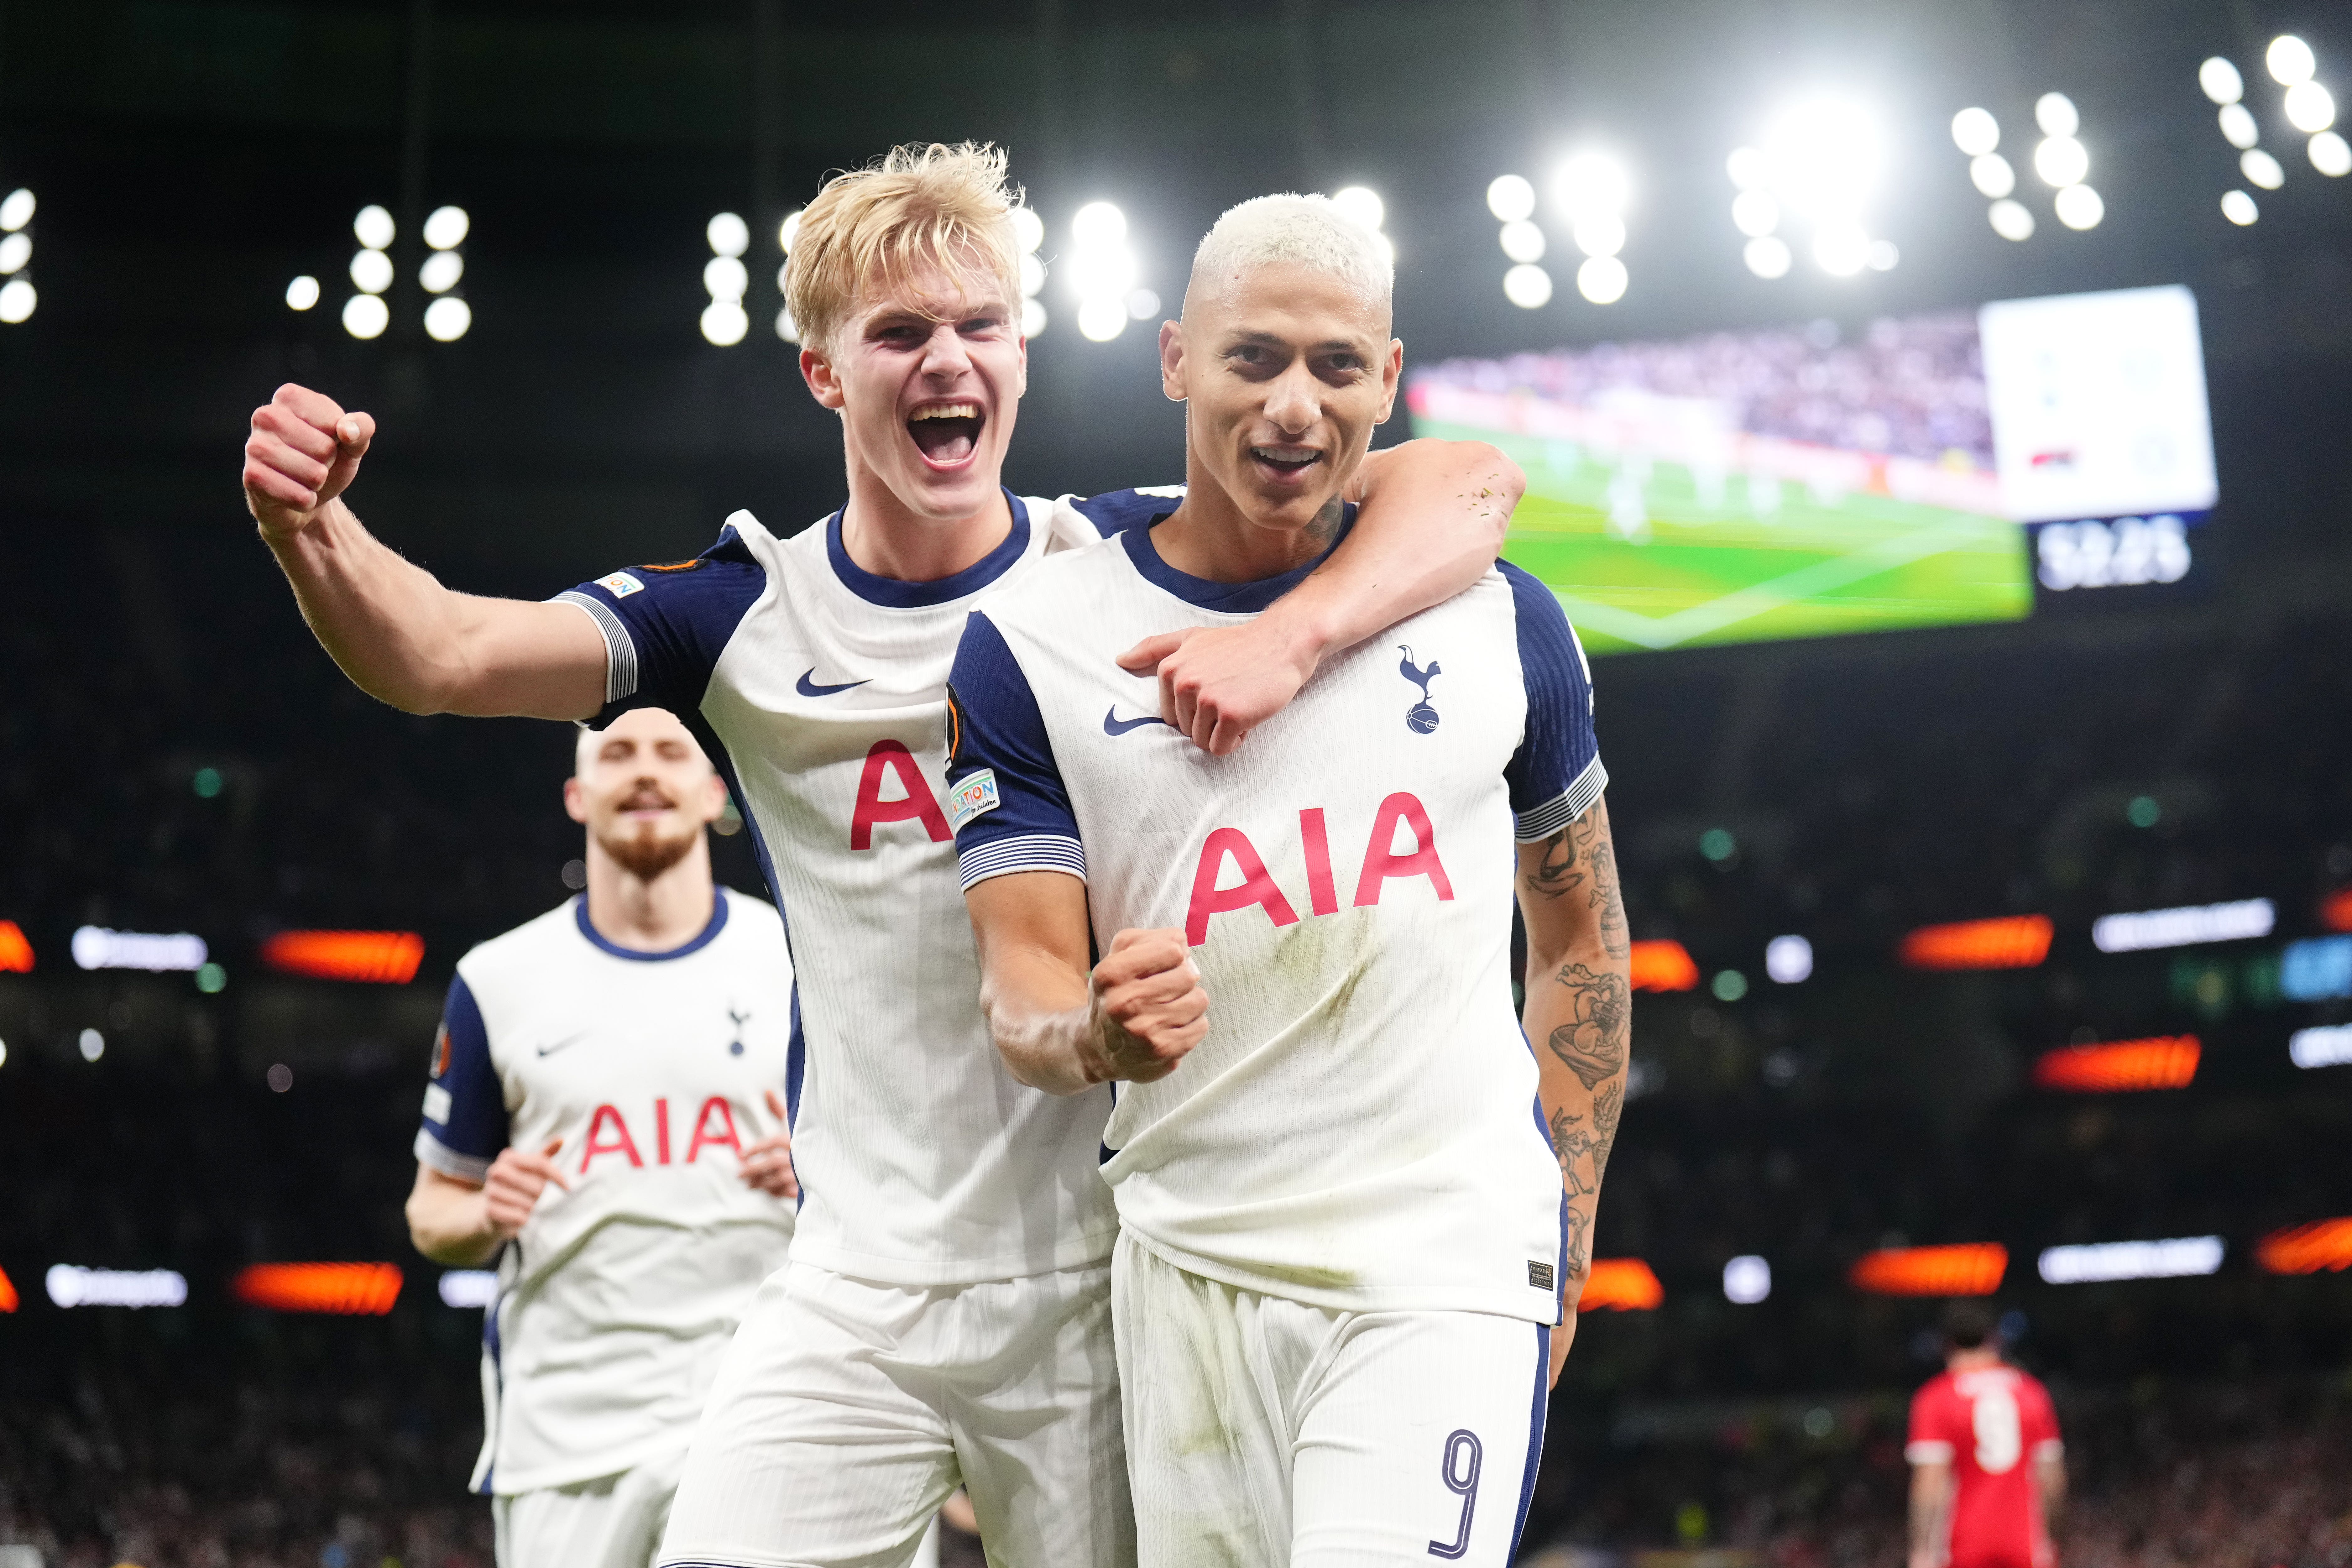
1989,1424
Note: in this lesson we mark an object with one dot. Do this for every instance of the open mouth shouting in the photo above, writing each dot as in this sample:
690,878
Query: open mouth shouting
946,433
1283,463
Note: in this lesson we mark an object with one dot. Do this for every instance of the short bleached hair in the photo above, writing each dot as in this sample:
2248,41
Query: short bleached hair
919,207
1302,231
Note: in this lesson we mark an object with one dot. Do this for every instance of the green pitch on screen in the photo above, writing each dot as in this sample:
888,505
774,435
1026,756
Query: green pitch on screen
1711,569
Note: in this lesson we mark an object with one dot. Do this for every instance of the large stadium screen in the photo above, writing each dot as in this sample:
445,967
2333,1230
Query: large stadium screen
1744,486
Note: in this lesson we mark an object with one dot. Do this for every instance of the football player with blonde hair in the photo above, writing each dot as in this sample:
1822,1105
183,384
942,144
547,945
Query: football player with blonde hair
945,1317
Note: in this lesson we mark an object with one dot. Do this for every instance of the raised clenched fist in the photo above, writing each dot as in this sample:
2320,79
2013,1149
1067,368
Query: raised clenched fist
1148,1008
303,451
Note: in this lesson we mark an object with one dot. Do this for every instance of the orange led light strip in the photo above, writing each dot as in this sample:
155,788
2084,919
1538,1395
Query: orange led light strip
15,953
2009,942
7,1292
1663,966
1971,1269
2165,1061
2307,1248
374,957
1621,1285
352,1290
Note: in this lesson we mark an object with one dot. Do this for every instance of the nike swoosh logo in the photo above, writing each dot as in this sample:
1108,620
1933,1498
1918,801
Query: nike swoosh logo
1115,725
560,1044
808,688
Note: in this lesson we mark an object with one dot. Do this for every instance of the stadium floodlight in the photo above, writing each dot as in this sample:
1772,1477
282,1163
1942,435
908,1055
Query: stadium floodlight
1101,318
2061,161
2191,925
1360,204
70,1286
1511,198
1142,304
1755,214
1747,167
2331,154
1591,183
1528,286
445,227
371,271
17,210
1033,275
2310,107
1789,960
302,293
2321,1045
728,233
374,228
441,270
2238,127
724,323
788,330
1826,156
1523,241
1747,1279
91,1044
16,302
2261,169
469,1287
2080,207
2239,208
789,230
726,277
96,947
1033,318
1098,225
2221,81
1601,279
1991,174
2056,114
1599,234
1768,256
2100,1262
1028,229
2290,61
1101,271
1842,249
446,319
15,251
1975,131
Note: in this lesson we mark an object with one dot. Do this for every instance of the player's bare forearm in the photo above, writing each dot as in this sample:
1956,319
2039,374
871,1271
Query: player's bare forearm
1931,1489
2049,1477
1579,1009
448,1220
1031,932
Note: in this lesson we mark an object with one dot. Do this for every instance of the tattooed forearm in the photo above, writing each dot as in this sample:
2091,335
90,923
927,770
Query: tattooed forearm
1576,1150
1576,1228
1593,1044
1592,844
1606,1106
1557,873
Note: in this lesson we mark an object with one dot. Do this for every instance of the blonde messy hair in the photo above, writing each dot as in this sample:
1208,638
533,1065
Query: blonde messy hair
920,206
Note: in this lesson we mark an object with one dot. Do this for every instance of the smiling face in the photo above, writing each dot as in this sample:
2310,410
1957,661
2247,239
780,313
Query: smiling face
645,790
1285,371
927,376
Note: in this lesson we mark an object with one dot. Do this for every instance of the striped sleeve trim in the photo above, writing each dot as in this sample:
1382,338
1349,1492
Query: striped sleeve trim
431,1151
1565,808
1030,852
620,648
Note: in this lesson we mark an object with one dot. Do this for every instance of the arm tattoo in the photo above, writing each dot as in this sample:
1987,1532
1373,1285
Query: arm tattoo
1573,1145
1325,527
1557,873
1599,851
1606,1106
1575,1228
1593,1046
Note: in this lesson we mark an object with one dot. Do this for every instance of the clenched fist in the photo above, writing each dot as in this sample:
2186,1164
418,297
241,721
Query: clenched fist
304,450
1148,1005
516,1178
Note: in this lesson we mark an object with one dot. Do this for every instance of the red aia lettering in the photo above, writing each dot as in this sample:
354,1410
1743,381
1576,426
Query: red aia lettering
621,1145
1322,899
1381,861
916,806
702,1133
661,1132
1256,886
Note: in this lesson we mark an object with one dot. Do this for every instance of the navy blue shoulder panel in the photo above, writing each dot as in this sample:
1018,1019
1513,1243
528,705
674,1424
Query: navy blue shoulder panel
665,626
1116,512
1558,747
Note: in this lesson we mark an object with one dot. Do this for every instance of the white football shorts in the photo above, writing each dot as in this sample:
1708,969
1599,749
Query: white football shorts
613,1521
1264,1433
847,1411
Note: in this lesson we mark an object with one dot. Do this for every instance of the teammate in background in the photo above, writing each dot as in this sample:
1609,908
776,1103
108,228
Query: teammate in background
1345,1241
1988,1471
946,1313
603,1119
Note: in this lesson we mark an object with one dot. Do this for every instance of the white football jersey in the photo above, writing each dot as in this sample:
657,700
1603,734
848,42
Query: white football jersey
620,1295
1359,1130
819,689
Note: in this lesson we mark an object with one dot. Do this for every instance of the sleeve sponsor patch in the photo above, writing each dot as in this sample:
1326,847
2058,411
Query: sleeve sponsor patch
973,797
620,584
437,1104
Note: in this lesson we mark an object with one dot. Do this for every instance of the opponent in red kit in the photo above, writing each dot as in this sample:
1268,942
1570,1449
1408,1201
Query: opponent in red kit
1988,1472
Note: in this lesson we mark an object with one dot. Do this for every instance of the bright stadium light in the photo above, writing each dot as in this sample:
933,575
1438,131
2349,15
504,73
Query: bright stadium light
469,1287
1101,318
726,277
446,319
2310,107
445,228
1747,167
788,330
1884,255
1142,304
1599,234
91,1044
2056,114
2239,208
72,1287
1789,960
1511,198
1601,279
302,293
1975,131
17,210
1992,175
1098,223
1755,214
1028,230
724,323
2221,81
1768,256
1747,1279
2011,220
729,235
17,300
2061,161
2331,154
2290,61
441,270
1033,318
2080,207
1842,249
1360,204
1591,183
1033,275
2261,169
1528,286
789,230
1523,241
1100,270
371,271
2101,1262
2238,127
2321,1045
2191,925
15,251
366,315
374,228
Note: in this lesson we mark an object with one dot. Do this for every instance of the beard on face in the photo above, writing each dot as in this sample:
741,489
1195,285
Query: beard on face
641,847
